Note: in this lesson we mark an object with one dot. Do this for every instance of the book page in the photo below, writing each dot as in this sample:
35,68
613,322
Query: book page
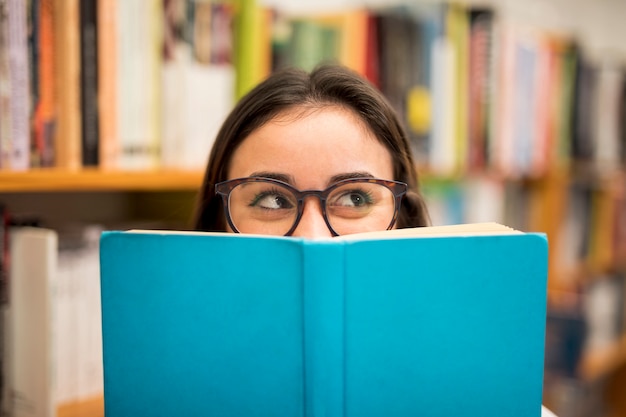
469,229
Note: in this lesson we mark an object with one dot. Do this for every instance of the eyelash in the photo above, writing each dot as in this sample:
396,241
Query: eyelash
260,196
366,194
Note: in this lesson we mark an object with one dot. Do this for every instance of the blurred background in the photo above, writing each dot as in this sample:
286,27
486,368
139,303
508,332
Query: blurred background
108,110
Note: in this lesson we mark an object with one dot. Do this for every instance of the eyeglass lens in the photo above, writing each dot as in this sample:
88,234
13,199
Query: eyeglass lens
270,208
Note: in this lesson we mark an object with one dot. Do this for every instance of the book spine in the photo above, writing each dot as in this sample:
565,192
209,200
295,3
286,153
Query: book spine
606,133
67,44
244,34
457,28
89,81
65,330
154,34
394,31
263,57
354,40
502,145
583,114
5,85
4,265
523,118
129,88
442,151
33,23
323,315
176,58
372,66
33,268
45,110
4,275
569,58
108,151
541,109
20,96
93,369
479,86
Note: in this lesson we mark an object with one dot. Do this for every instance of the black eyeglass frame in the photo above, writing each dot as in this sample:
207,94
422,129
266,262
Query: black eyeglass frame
224,189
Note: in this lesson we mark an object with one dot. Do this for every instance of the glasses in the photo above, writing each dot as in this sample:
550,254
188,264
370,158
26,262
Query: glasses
272,207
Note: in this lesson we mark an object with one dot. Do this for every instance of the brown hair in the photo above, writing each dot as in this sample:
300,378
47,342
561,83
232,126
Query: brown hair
289,88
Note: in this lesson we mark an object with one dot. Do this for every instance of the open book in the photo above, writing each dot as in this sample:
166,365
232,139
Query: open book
432,321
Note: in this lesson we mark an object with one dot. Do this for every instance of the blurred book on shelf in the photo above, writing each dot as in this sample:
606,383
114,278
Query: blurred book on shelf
197,80
15,86
28,370
43,95
67,137
88,32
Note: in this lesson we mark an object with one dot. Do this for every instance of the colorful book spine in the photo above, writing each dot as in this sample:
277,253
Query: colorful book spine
457,28
34,64
479,85
441,152
45,108
108,135
245,32
152,103
19,103
67,47
372,68
607,100
501,148
5,88
569,56
89,82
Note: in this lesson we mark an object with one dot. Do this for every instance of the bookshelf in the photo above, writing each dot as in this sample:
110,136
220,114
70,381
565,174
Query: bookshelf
57,180
61,198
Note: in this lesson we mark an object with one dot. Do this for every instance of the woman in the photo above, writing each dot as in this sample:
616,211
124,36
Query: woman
298,131
314,155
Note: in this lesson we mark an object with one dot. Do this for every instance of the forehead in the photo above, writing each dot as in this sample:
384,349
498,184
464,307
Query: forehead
321,110
310,141
296,123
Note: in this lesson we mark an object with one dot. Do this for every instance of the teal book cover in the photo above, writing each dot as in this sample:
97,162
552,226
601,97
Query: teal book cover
217,324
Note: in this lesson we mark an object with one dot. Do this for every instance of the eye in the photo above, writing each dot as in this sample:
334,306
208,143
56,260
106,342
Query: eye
353,198
272,200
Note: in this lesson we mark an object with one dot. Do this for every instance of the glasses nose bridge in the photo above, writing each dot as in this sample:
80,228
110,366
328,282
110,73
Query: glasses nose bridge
320,194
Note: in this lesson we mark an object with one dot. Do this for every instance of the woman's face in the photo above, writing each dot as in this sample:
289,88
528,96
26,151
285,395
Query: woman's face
312,149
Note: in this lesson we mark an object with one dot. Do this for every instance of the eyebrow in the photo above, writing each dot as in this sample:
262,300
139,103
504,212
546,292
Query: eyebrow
349,176
289,179
273,175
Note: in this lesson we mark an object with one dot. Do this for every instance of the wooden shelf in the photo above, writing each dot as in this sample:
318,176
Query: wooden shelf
601,362
55,180
92,407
